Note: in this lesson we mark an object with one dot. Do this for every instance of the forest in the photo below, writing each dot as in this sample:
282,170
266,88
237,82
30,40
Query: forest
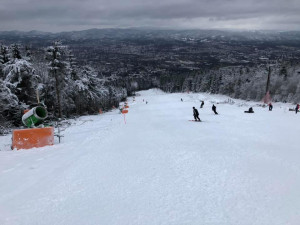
51,76
53,79
241,82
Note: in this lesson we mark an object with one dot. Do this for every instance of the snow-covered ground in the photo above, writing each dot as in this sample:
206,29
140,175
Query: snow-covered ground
160,168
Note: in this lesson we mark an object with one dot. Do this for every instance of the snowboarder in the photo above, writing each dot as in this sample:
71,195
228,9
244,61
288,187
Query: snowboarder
202,104
196,114
270,107
297,108
250,110
214,109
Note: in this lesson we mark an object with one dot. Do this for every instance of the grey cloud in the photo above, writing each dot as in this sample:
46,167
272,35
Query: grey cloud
55,15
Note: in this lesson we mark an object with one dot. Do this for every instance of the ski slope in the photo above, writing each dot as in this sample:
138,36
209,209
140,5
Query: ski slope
160,168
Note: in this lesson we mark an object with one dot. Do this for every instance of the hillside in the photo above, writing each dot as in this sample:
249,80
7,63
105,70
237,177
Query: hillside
159,167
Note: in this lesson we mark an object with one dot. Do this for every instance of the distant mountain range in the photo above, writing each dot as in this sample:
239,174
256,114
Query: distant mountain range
94,34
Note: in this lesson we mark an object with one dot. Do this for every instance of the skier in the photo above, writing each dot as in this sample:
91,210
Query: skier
214,108
297,108
250,110
196,114
182,100
202,104
146,102
270,107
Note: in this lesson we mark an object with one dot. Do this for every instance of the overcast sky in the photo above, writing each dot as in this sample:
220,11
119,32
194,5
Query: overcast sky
66,15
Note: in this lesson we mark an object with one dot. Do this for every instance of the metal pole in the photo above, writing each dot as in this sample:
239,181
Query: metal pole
268,81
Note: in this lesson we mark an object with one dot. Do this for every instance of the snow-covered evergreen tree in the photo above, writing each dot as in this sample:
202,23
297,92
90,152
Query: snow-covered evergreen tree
89,90
28,53
15,51
20,77
58,67
10,108
4,58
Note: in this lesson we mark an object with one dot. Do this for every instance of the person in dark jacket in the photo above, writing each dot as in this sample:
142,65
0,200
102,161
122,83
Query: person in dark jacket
196,114
250,110
270,107
202,104
214,109
297,108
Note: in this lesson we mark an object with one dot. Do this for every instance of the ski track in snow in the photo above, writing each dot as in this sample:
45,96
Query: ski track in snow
160,168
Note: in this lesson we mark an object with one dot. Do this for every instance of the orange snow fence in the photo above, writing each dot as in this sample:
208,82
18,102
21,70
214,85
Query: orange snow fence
32,138
124,111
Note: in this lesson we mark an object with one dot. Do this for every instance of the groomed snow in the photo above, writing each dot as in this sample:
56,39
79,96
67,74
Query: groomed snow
160,168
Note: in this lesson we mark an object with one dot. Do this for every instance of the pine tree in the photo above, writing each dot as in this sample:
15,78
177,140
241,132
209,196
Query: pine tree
20,77
4,54
10,108
28,54
15,51
57,69
72,64
89,90
4,58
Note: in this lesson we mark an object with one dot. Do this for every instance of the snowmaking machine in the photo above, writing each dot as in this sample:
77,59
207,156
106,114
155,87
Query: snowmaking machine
34,117
33,136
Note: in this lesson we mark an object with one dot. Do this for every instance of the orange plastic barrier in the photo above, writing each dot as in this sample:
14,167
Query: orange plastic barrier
33,137
124,111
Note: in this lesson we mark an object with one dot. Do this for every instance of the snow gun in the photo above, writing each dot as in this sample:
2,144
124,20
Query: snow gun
35,116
